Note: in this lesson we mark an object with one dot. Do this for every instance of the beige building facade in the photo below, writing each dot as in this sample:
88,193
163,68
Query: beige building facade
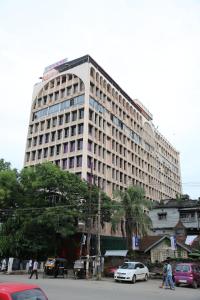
85,123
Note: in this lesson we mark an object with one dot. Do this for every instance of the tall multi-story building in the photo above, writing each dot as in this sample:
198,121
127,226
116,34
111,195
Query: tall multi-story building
84,122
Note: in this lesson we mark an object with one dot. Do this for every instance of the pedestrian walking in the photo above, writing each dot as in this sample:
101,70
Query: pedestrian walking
164,274
4,265
30,266
34,270
168,281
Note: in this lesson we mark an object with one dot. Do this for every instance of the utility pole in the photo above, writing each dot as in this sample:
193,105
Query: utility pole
89,225
99,238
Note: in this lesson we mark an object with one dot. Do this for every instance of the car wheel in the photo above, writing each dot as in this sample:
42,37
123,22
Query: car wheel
194,284
145,277
134,279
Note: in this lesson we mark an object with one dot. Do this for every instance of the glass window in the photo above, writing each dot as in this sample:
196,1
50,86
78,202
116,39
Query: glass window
54,109
66,132
65,147
81,113
72,146
80,144
80,128
71,162
64,163
64,105
67,118
79,161
74,115
73,130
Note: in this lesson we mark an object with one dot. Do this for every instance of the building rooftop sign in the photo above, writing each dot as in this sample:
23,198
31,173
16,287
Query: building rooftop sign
57,64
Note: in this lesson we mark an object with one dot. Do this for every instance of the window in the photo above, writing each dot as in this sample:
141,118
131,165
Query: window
46,137
74,115
62,93
39,154
91,115
90,129
79,161
60,120
80,128
75,88
81,113
64,164
59,134
40,139
44,100
53,136
66,132
67,118
48,123
56,96
65,147
72,146
58,149
69,90
45,152
162,216
89,145
80,144
71,162
52,151
34,141
73,130
54,122
29,143
42,126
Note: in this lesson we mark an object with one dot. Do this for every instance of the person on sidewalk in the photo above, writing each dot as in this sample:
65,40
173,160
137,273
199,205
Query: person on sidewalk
34,270
30,266
164,274
168,281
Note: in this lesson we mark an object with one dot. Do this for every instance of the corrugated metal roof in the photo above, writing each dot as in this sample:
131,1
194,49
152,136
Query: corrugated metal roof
116,253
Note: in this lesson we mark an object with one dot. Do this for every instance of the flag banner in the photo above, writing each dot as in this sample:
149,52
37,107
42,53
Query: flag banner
135,242
173,242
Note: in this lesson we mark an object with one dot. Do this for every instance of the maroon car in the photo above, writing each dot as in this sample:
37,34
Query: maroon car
19,291
187,273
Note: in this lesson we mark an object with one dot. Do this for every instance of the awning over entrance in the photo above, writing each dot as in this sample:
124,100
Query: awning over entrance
116,253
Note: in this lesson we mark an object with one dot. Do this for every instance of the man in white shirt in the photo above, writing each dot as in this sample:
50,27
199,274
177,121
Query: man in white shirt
35,269
30,266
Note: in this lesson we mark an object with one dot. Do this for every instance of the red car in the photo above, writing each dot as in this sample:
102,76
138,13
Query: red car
20,291
187,273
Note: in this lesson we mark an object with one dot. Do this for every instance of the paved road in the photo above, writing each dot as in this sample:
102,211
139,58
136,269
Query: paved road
62,289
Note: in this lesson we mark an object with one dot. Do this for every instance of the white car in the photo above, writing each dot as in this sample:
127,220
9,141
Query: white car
132,271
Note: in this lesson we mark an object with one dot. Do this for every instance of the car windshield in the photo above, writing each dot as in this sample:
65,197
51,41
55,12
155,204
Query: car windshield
128,266
33,294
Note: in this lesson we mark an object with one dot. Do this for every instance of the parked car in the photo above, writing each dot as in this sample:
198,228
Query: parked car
187,273
132,271
19,291
109,271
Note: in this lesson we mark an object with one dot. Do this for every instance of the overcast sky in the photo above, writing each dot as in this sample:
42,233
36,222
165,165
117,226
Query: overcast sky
151,48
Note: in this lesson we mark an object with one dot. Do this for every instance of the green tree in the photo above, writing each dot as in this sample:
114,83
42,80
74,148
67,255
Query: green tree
130,211
9,186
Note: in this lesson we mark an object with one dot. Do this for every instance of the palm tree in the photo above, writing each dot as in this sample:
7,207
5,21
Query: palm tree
130,210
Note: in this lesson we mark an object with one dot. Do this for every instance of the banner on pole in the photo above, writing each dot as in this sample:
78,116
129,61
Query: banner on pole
135,242
173,242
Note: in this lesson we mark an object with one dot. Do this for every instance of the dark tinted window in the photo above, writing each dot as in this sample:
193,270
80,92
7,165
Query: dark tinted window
34,294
